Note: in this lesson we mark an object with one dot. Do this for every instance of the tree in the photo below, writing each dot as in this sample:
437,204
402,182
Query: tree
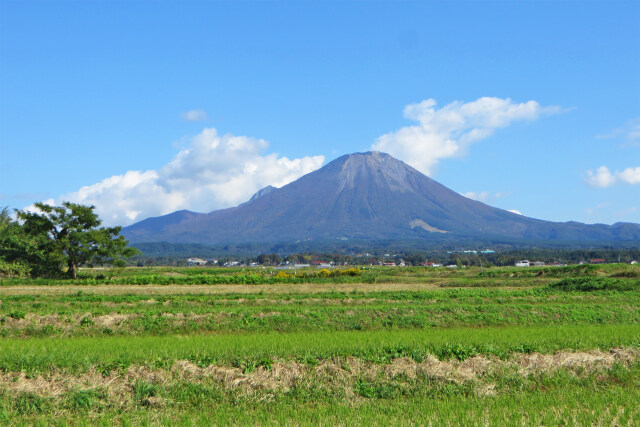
71,235
21,254
415,258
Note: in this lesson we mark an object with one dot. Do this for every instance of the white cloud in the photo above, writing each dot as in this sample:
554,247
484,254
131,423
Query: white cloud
630,132
482,196
448,131
214,171
603,177
630,175
515,211
195,116
32,208
485,196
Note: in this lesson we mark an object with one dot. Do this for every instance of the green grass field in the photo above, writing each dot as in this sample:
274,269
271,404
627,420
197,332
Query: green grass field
379,346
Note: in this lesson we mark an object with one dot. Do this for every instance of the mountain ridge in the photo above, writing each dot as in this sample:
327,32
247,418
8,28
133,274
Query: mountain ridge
368,195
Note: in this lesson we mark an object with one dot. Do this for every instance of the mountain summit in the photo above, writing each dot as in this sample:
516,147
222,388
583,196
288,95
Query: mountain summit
370,196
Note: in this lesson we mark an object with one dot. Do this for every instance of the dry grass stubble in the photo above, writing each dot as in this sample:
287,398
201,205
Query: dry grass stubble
342,373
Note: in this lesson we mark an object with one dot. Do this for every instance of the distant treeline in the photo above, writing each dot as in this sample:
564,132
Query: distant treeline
176,254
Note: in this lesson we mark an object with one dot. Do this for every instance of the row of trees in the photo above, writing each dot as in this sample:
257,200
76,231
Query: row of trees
53,241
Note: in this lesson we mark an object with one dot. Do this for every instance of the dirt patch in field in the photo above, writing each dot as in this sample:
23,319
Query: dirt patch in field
110,320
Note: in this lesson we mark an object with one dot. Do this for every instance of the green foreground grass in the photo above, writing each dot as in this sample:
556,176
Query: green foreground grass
81,353
572,407
82,314
549,346
602,396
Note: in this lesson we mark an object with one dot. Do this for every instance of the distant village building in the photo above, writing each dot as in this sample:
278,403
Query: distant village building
556,264
523,263
322,264
597,261
196,262
633,262
536,264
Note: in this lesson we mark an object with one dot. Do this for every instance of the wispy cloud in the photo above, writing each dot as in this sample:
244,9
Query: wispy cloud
603,177
448,131
213,171
630,132
195,116
485,196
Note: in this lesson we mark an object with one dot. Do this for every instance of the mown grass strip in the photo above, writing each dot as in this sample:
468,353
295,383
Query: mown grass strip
564,406
80,353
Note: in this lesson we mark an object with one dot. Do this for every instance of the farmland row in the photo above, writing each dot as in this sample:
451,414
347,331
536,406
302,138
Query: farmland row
84,314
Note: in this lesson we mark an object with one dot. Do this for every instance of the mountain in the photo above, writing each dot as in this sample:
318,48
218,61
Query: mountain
370,196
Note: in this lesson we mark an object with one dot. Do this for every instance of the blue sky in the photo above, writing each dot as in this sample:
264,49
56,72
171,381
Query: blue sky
143,108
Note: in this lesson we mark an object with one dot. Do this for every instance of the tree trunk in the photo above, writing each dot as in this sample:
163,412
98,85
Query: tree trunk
73,269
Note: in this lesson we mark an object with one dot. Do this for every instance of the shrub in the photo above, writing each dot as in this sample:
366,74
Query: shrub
17,315
13,269
595,284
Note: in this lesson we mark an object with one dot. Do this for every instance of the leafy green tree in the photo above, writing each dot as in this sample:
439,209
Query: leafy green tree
71,235
21,255
275,259
415,258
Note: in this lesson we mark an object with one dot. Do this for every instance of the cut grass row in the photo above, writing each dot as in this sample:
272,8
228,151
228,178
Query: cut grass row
87,314
596,396
288,319
612,406
81,353
37,302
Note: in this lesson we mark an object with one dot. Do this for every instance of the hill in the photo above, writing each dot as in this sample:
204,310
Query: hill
365,196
